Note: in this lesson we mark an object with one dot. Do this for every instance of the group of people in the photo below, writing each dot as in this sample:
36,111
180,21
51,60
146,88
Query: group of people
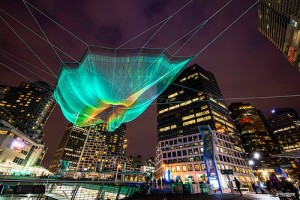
274,184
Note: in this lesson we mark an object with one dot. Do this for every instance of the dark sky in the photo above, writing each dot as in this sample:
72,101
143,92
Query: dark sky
244,62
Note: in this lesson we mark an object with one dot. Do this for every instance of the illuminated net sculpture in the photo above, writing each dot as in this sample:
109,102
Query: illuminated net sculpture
114,86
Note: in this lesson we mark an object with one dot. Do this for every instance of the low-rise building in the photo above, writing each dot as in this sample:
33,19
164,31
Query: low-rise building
18,152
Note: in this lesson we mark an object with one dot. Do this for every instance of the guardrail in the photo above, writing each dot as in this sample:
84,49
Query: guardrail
67,189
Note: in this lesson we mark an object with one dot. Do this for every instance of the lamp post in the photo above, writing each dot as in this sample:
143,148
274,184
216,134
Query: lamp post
163,173
251,164
118,166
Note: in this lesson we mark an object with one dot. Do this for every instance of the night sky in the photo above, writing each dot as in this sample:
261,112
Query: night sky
244,62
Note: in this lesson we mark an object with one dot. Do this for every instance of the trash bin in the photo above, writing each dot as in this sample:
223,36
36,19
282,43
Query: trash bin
187,188
177,188
205,188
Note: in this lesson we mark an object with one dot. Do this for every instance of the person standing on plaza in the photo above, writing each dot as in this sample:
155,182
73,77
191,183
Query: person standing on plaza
238,185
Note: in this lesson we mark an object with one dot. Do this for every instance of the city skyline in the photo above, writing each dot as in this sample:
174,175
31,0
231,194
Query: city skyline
244,62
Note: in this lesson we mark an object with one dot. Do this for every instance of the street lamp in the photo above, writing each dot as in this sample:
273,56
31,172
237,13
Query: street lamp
251,163
118,166
256,155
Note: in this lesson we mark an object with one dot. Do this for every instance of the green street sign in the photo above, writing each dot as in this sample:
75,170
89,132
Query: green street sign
226,171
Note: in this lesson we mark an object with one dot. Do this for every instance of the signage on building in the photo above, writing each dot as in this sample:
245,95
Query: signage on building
226,171
167,175
209,156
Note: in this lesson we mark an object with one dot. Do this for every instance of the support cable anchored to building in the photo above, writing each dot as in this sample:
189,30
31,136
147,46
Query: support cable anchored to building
222,32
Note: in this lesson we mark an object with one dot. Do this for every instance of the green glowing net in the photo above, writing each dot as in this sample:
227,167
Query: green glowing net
114,86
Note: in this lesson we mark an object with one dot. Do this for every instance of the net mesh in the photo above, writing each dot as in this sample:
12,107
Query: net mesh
114,86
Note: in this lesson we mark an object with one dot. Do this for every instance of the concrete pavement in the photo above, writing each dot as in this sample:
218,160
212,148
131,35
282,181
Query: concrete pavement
218,196
260,196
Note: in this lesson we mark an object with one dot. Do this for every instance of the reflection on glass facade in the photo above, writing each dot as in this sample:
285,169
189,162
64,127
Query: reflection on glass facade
279,22
253,132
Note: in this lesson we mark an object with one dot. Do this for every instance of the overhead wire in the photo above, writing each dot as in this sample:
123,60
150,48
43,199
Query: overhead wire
27,69
48,43
222,32
163,21
5,53
22,24
197,28
43,32
28,46
55,22
236,98
27,78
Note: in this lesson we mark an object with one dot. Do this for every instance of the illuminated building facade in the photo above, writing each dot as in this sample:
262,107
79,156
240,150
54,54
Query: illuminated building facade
92,149
18,151
279,21
194,99
183,156
103,150
285,125
70,148
253,132
27,107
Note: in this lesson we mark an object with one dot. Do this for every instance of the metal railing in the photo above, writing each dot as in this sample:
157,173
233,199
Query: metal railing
68,190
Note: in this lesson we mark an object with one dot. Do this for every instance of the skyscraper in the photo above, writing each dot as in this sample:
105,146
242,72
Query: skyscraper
103,150
192,100
27,107
70,148
90,148
253,132
285,125
279,22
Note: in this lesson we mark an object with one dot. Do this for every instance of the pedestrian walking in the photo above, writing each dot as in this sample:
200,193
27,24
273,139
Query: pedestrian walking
238,185
254,187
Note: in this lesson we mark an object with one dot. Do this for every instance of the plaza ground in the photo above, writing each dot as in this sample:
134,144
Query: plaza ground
236,196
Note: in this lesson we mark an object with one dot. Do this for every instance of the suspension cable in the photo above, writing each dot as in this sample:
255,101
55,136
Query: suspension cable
43,32
55,22
28,46
164,21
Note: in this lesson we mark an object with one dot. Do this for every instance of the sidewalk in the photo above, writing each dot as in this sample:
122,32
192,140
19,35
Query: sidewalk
251,195
219,196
